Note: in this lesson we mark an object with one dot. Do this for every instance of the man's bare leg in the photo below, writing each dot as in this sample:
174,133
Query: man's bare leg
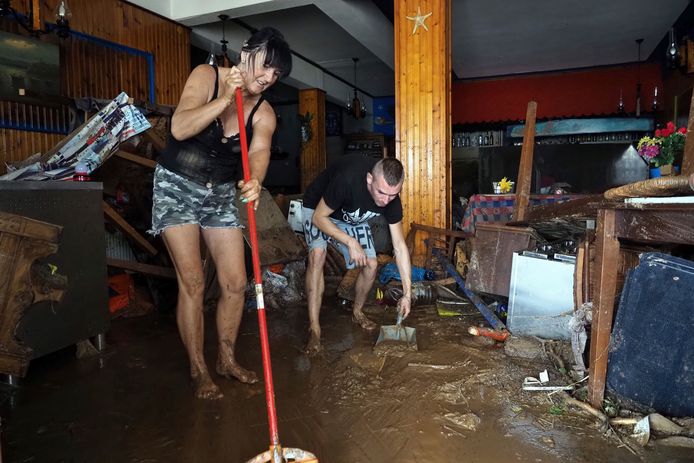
183,243
362,287
227,249
315,285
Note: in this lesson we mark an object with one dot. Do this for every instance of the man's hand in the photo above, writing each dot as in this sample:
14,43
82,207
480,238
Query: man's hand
250,191
404,306
356,253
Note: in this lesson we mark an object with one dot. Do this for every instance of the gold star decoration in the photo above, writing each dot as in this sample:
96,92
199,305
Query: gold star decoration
419,20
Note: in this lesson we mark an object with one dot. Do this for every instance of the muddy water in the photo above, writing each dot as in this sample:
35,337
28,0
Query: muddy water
456,399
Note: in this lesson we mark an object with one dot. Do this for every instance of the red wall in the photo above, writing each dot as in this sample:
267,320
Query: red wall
567,94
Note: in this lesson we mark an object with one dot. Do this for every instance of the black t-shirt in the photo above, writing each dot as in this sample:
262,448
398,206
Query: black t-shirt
342,185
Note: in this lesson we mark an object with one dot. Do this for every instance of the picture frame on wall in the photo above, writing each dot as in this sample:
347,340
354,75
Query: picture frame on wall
29,68
333,120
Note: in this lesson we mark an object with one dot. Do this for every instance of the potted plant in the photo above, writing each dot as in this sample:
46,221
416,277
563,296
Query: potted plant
661,150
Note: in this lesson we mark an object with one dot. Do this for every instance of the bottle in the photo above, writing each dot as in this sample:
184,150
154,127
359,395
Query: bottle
81,173
422,294
122,196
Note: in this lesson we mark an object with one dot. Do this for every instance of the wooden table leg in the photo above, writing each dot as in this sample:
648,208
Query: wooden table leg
606,263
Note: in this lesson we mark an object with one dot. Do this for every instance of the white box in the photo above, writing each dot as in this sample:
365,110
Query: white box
295,216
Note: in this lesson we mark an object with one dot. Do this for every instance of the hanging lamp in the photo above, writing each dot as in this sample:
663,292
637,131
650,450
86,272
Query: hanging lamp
672,54
224,60
638,79
355,107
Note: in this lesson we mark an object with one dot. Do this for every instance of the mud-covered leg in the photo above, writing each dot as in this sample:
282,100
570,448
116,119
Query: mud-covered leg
362,287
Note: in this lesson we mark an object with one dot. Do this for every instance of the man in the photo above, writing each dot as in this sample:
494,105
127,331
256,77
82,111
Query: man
336,208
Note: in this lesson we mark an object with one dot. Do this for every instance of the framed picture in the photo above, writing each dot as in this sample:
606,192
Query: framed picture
333,120
29,68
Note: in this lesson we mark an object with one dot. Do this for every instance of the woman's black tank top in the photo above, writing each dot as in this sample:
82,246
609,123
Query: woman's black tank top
208,158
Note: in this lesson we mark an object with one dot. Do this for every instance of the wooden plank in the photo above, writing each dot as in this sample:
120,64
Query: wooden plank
147,269
578,278
136,158
586,206
606,261
126,228
656,226
157,142
688,159
525,170
441,231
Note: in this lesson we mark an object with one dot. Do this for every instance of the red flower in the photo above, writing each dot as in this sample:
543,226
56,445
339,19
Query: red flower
658,133
682,130
671,126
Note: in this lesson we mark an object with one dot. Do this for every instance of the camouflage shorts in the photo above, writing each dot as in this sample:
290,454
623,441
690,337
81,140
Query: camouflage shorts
178,201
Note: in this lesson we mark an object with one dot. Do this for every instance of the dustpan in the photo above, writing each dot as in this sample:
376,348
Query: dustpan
398,333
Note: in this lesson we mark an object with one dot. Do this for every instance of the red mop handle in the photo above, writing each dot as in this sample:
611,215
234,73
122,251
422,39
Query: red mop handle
262,323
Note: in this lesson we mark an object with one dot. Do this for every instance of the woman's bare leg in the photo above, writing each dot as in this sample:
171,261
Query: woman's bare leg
183,243
227,250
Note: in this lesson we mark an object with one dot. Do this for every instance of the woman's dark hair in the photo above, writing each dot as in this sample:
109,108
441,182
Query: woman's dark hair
277,52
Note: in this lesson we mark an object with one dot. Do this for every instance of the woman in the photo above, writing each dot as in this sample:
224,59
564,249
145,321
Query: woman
194,188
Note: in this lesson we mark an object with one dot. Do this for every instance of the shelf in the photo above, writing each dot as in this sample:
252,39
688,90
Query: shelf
366,144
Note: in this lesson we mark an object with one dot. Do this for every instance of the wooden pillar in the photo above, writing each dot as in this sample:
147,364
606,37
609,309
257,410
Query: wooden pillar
423,109
312,105
606,264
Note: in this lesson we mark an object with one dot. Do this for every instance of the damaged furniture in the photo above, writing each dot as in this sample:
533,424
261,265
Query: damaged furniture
23,283
82,313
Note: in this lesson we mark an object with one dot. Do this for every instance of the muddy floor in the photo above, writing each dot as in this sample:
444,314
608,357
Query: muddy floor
457,399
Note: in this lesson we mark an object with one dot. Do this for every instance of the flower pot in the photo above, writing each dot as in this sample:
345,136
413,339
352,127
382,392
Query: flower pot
663,171
666,170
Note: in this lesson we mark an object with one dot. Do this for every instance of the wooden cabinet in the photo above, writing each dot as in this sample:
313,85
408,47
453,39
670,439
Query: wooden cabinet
366,144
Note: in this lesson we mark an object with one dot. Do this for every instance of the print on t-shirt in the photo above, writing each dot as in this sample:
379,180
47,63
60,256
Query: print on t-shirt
356,217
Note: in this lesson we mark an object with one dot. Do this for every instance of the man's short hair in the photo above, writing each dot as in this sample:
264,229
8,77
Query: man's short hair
391,169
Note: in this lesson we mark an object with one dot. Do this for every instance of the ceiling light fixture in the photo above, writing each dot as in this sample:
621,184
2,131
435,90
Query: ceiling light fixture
672,54
224,59
638,79
32,22
355,107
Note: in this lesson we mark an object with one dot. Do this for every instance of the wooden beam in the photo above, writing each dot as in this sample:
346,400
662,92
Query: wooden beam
147,269
606,264
153,137
136,158
313,156
126,228
36,15
525,170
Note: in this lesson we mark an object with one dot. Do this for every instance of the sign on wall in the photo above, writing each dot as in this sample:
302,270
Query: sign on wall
384,115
